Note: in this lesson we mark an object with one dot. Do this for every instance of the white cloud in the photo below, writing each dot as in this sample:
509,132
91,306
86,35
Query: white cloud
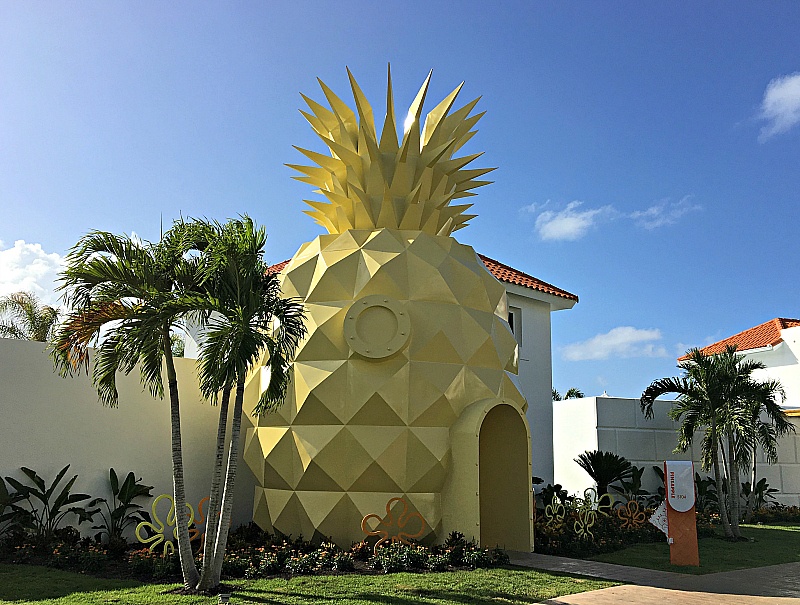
28,267
570,223
664,213
780,106
623,341
533,208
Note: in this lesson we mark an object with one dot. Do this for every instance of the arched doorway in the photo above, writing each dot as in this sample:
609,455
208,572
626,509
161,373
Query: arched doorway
504,480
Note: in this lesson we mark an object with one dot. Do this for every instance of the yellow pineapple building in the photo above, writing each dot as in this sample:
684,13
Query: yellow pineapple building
404,386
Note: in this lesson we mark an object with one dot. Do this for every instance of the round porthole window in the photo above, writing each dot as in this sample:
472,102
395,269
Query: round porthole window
376,326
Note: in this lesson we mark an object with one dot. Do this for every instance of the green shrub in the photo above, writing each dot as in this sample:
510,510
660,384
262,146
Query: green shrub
142,562
478,558
301,565
121,512
236,564
167,566
45,518
607,534
777,513
438,562
400,557
343,561
361,551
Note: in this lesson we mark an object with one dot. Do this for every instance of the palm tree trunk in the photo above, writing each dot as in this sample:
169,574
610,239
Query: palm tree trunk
734,486
188,568
207,573
230,481
721,500
751,497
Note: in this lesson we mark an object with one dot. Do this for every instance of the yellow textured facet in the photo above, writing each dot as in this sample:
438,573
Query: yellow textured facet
360,423
408,348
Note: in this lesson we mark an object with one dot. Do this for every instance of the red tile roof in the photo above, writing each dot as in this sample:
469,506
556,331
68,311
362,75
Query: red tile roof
503,273
766,334
513,276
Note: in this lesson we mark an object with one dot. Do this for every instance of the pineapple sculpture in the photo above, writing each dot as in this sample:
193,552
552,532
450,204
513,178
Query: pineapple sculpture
406,330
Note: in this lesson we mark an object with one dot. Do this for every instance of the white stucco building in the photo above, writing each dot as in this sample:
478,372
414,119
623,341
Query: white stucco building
776,344
616,424
530,302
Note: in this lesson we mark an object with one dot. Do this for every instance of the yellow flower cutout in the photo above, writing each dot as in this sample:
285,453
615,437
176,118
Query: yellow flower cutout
555,513
158,529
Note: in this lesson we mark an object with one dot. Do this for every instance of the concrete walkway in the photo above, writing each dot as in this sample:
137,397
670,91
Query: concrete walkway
774,584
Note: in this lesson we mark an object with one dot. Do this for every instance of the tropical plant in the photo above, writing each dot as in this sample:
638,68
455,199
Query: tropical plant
706,493
716,394
605,468
572,393
553,492
9,516
45,518
661,490
121,512
769,423
760,496
246,320
25,317
133,293
632,489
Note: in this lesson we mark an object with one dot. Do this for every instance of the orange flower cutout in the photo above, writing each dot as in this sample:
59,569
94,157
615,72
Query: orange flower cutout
390,530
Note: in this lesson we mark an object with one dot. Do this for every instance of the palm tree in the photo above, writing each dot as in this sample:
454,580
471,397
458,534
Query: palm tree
125,297
246,318
605,468
712,397
770,422
572,393
26,317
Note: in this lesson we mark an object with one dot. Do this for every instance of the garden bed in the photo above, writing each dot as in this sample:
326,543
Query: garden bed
766,545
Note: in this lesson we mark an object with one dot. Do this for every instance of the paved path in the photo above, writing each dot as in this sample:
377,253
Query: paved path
774,584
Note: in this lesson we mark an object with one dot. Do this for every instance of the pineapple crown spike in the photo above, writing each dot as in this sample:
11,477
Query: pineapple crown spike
373,182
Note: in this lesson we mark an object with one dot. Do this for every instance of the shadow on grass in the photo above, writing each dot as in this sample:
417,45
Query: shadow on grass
34,583
415,596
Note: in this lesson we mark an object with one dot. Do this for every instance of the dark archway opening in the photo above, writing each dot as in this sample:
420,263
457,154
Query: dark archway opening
504,480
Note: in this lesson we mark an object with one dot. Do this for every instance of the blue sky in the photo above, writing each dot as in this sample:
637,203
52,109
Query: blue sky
648,153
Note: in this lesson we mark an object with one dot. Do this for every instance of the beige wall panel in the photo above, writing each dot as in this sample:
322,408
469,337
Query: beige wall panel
49,421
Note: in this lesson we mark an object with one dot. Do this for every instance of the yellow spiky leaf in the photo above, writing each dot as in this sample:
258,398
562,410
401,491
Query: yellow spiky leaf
374,182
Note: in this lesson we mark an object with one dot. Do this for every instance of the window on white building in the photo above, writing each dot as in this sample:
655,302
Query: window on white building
515,322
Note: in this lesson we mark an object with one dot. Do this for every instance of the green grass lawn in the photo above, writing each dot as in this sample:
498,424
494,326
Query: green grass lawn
41,585
770,545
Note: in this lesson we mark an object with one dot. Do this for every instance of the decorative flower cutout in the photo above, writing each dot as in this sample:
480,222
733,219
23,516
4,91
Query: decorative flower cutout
158,529
554,513
631,515
587,517
390,530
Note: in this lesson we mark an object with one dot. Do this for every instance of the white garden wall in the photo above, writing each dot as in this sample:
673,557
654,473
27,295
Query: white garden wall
618,425
49,421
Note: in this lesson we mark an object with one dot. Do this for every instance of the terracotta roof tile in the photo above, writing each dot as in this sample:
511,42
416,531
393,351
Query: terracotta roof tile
500,271
279,267
513,276
763,335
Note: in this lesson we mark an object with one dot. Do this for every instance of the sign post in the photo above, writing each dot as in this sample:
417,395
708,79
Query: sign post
681,518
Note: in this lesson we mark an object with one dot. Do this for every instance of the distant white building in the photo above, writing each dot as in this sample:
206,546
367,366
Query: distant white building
616,424
776,344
